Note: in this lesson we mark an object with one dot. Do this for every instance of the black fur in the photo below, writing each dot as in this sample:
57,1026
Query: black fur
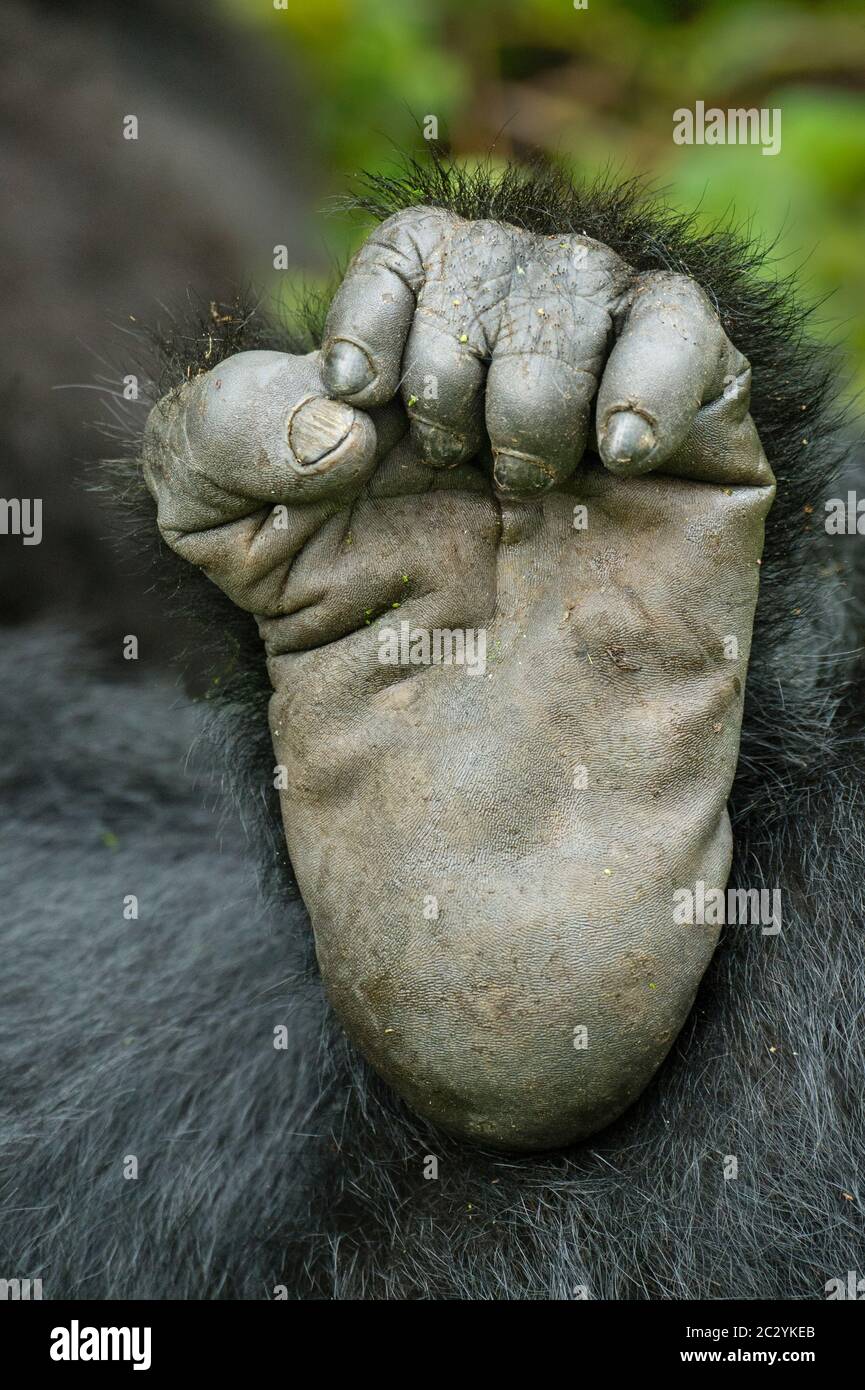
261,1168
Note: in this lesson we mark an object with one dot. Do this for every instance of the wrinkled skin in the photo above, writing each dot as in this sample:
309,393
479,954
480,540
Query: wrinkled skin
490,857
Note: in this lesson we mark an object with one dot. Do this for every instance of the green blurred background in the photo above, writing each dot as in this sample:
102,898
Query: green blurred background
596,88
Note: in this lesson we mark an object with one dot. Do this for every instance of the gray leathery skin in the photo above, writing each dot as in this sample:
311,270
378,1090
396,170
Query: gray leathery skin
609,647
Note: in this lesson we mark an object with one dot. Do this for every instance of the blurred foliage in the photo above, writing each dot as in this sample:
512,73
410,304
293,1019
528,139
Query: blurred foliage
596,88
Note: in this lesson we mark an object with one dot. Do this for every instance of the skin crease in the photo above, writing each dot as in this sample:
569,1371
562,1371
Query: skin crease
490,858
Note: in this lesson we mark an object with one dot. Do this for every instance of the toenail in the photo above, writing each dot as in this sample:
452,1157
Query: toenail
317,427
521,476
346,368
628,438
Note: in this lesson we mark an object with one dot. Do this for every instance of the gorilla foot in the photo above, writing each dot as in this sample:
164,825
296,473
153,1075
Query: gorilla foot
490,855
